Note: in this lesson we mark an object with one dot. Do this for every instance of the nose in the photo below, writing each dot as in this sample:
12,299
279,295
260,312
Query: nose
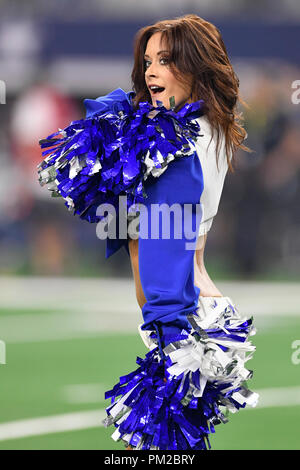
151,71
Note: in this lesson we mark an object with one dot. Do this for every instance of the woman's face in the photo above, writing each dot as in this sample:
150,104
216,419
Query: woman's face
157,72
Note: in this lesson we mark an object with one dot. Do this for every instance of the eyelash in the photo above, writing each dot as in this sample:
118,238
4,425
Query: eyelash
162,58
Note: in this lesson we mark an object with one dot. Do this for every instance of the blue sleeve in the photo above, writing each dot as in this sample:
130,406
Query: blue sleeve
166,266
110,102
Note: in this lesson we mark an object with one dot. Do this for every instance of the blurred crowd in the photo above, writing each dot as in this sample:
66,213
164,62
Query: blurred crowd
262,198
256,232
74,9
257,229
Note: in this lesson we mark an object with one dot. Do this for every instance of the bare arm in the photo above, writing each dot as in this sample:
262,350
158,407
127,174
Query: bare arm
134,258
201,276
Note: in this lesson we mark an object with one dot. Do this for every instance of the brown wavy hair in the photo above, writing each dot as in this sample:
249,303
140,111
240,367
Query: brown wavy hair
196,49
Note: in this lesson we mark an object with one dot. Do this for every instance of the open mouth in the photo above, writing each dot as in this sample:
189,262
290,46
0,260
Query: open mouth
156,90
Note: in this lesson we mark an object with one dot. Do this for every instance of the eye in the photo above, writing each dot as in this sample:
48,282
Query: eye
164,59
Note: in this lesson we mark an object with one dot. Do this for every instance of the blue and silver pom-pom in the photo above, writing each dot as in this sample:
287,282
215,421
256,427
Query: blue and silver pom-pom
112,153
174,404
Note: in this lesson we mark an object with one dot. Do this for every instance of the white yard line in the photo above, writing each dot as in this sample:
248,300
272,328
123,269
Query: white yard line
94,393
54,293
83,393
269,398
278,397
99,294
51,424
66,325
33,328
91,307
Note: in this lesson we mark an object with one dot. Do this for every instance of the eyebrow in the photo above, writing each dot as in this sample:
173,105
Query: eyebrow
160,52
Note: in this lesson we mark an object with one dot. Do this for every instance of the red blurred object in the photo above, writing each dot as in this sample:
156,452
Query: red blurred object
39,112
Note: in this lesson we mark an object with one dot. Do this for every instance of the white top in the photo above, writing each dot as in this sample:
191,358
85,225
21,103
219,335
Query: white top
213,175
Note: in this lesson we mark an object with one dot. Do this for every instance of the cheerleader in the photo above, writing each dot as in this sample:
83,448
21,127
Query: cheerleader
166,144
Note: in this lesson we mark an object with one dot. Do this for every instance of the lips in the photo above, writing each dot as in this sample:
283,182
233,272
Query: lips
155,89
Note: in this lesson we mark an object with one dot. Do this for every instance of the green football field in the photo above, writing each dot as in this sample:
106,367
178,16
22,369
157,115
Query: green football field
53,382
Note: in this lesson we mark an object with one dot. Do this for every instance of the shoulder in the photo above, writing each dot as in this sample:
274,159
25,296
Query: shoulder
206,145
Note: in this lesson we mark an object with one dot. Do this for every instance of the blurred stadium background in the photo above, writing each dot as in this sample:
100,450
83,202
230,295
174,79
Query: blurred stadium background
65,311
